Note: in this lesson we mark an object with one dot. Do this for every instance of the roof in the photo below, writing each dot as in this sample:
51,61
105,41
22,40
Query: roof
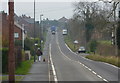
29,20
63,19
15,23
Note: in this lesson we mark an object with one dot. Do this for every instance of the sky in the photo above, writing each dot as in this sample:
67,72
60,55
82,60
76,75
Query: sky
51,9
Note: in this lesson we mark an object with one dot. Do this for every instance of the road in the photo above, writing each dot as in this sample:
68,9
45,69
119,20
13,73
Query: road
69,66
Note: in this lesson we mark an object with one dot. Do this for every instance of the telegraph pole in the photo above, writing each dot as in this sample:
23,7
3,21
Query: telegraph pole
11,57
41,32
34,34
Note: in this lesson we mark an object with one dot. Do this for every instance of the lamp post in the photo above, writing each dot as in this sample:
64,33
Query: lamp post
11,57
23,35
41,31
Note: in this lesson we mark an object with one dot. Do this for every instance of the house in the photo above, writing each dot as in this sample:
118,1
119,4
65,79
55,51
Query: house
19,32
28,23
63,20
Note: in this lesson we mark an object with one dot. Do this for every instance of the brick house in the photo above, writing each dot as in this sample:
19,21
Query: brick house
28,25
18,29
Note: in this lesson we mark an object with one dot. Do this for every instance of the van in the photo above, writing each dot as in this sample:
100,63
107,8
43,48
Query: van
64,32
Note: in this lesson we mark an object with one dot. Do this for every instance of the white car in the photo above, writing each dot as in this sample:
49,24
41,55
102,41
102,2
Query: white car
82,49
64,32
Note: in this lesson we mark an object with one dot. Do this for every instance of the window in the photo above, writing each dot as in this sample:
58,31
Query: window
16,35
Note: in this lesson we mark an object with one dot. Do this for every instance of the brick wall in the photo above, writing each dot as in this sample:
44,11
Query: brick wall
5,29
19,31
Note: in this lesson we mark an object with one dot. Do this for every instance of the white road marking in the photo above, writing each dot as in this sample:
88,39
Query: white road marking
111,65
86,67
53,68
99,76
91,60
83,65
89,69
70,49
105,80
80,62
94,72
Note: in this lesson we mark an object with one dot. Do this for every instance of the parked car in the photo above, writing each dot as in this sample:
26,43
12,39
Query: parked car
81,49
64,32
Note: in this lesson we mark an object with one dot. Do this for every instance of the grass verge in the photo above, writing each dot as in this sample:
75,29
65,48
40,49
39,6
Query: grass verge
5,78
114,60
70,44
24,68
105,42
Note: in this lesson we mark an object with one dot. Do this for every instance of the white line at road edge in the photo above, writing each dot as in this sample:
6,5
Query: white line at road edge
80,62
53,68
76,53
92,60
89,59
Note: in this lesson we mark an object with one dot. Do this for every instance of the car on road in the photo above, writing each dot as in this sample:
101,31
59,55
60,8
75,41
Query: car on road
53,32
81,49
64,31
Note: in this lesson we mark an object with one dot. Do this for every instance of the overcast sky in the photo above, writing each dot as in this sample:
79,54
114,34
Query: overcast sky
52,9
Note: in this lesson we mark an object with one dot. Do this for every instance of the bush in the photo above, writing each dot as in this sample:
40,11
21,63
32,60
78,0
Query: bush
4,59
93,45
28,43
24,68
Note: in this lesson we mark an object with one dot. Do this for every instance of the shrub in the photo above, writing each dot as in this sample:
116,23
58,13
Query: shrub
28,44
93,45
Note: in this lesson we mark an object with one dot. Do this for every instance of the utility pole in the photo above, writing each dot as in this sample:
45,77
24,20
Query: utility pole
34,34
118,30
41,32
11,57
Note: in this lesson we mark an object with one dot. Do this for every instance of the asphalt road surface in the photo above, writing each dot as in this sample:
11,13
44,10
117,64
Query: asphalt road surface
70,66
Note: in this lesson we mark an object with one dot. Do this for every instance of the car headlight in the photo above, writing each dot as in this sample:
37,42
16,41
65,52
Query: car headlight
80,49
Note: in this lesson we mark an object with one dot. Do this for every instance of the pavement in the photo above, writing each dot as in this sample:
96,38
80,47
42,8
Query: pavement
68,66
39,71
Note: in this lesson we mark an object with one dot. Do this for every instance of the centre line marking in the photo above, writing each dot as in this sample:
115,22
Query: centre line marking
78,61
53,68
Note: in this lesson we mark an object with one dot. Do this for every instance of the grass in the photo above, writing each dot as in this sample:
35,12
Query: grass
5,78
24,68
114,60
105,42
70,44
21,71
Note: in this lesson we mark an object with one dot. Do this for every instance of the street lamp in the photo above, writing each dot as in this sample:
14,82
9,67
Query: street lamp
41,31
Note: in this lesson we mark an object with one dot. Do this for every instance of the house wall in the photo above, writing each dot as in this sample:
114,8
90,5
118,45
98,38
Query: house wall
19,31
5,30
